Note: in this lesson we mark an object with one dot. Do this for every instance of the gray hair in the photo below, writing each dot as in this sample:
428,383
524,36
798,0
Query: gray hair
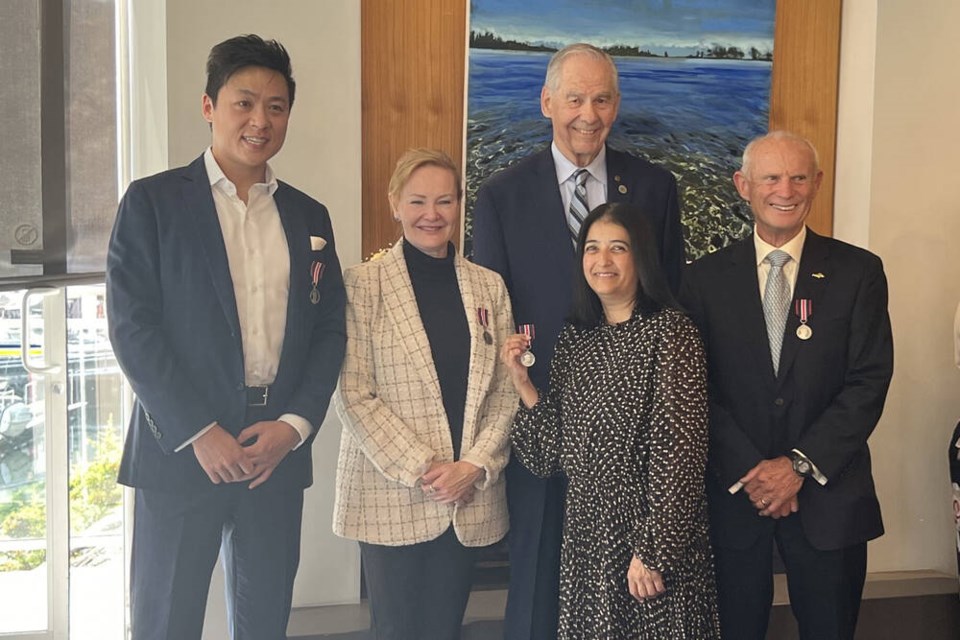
552,81
779,134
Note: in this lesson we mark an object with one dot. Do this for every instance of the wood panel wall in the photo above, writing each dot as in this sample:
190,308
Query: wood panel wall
805,85
413,75
413,70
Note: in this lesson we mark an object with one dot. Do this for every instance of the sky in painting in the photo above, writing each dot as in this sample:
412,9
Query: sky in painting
680,27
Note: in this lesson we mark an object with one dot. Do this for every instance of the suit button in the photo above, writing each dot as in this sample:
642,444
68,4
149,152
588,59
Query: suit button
778,402
158,435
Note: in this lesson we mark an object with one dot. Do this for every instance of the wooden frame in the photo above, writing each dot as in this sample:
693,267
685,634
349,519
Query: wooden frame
413,80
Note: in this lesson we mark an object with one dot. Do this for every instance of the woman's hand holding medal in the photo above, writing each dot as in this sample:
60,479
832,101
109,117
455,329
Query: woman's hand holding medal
511,354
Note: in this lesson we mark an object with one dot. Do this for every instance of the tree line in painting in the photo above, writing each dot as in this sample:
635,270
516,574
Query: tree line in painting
488,40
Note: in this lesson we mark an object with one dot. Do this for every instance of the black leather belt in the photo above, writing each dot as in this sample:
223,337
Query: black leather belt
257,396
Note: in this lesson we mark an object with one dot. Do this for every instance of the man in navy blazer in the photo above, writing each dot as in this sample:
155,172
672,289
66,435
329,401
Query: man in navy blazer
226,311
524,229
792,401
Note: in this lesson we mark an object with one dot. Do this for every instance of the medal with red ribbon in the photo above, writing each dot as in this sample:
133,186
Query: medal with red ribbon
483,316
527,358
804,309
316,273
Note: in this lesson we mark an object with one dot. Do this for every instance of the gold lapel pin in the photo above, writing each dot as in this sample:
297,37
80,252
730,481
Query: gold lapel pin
622,188
818,275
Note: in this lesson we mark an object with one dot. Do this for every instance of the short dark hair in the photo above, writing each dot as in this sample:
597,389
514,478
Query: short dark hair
240,52
653,294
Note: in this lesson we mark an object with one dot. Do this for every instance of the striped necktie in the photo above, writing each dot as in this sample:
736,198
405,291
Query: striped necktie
578,204
776,303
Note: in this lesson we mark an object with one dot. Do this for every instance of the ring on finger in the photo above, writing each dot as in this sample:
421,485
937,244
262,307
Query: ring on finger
763,502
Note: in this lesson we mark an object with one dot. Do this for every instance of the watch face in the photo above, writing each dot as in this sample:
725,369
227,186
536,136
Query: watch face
801,466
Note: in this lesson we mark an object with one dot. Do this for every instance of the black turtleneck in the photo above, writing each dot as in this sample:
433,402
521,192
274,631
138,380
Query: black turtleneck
441,310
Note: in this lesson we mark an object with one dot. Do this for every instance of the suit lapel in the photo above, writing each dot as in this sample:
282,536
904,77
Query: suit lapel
545,193
300,279
198,200
745,297
813,277
617,189
483,356
401,308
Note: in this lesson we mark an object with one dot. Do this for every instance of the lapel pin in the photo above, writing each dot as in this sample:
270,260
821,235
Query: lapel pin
818,275
616,178
622,188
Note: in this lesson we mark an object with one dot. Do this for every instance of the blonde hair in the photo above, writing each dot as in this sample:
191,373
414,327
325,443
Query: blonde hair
412,160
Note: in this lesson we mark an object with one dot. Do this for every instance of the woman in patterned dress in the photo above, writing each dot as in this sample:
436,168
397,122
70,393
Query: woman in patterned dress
625,419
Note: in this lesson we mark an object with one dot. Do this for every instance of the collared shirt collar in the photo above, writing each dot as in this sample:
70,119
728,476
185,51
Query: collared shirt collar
217,176
565,168
794,247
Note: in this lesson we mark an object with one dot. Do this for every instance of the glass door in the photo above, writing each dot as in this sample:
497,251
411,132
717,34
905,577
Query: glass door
62,406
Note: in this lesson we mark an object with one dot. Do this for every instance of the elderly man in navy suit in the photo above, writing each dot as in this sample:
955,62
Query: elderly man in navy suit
226,312
526,220
800,356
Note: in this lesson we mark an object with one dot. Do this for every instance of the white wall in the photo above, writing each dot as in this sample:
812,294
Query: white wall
897,180
321,156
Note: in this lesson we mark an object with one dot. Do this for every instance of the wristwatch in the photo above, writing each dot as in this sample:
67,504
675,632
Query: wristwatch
801,464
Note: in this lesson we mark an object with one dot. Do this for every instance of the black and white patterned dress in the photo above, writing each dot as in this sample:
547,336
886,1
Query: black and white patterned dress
626,421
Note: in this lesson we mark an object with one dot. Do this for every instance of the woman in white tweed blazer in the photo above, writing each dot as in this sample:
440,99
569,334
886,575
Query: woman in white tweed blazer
426,408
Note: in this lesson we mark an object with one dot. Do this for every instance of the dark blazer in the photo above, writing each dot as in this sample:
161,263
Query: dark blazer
520,231
176,333
826,400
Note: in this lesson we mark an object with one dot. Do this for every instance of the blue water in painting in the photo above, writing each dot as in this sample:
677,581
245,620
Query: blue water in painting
693,116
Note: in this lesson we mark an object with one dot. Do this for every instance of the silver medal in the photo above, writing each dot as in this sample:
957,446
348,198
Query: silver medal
527,358
804,332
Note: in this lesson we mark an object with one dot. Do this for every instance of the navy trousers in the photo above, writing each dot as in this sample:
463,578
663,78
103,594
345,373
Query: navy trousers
536,532
176,540
825,587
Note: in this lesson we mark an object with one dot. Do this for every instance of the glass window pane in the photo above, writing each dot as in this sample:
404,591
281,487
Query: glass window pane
91,132
95,415
21,224
23,521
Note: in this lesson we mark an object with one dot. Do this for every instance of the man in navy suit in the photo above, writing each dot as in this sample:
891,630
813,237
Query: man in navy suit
800,356
226,311
524,225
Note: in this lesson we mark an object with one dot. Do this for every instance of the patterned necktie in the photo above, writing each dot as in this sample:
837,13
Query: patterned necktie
776,303
578,204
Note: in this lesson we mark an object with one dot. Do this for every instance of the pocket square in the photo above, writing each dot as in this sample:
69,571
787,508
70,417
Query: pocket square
317,243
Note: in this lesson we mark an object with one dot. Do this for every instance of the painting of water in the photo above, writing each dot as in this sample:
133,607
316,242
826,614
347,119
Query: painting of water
694,82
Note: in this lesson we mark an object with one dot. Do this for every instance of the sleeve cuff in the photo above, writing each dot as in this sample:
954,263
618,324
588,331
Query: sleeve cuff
816,474
195,436
300,424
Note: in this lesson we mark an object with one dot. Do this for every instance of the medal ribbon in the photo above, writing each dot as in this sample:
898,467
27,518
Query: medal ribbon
527,330
316,270
803,308
483,316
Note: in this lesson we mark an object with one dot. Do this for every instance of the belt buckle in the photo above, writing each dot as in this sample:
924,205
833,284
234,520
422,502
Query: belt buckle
261,401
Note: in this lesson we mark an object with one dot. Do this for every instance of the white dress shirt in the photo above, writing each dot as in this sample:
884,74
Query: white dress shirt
596,182
259,262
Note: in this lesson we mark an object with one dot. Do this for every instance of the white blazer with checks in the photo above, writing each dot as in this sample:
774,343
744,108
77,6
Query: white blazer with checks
394,423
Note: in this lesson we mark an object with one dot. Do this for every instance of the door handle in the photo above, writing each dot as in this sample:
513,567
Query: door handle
36,368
